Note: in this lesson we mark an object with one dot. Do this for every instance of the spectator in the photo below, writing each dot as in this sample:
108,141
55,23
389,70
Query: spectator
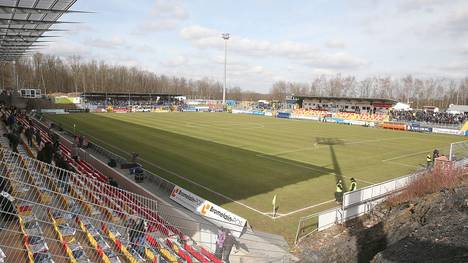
229,242
29,135
56,142
38,136
113,182
137,235
428,116
220,242
80,141
75,152
48,153
85,143
339,192
14,141
435,154
134,157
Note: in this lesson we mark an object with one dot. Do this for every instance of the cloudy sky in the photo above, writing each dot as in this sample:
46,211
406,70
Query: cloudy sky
273,40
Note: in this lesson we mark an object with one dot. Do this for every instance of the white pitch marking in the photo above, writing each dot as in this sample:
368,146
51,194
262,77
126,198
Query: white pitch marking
183,178
303,209
405,155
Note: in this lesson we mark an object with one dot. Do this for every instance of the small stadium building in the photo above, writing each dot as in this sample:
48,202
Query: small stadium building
344,104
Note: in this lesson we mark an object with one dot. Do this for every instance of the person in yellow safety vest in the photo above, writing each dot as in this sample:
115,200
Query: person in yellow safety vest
339,192
353,184
428,161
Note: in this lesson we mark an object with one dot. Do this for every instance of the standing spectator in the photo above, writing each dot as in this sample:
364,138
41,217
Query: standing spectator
76,140
56,142
85,142
353,184
339,192
48,153
38,136
435,154
80,141
14,141
220,243
75,152
428,161
29,135
229,242
134,157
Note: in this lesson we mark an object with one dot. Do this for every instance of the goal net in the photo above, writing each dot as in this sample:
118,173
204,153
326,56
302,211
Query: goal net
458,151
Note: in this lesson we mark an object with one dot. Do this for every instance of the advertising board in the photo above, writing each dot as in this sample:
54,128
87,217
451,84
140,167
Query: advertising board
419,129
211,212
447,131
304,117
284,115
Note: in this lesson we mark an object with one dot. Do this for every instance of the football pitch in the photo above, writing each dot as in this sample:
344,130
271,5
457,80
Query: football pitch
241,161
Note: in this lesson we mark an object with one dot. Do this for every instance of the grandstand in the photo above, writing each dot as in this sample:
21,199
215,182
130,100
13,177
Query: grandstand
78,217
343,104
124,102
350,109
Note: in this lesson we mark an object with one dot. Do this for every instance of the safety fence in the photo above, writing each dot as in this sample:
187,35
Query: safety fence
361,201
60,215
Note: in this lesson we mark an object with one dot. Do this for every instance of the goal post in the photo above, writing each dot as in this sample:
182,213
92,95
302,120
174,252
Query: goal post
458,151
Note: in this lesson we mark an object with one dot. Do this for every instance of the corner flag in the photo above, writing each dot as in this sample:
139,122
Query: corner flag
273,202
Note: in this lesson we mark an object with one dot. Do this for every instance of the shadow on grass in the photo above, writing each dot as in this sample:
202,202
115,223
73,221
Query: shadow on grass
331,142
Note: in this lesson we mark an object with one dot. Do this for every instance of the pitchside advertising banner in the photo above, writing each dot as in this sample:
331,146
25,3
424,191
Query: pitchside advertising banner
448,131
213,213
419,129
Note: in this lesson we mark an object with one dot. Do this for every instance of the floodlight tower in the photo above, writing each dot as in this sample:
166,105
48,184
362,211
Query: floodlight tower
226,37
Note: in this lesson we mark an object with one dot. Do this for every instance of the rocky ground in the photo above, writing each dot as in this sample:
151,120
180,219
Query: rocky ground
433,228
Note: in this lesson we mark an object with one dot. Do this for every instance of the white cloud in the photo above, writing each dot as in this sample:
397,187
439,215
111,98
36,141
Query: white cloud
66,48
203,37
171,9
157,25
419,5
175,62
456,66
165,15
335,44
457,22
110,43
323,72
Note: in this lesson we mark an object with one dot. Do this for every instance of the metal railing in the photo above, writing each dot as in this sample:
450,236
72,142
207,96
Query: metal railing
41,198
359,202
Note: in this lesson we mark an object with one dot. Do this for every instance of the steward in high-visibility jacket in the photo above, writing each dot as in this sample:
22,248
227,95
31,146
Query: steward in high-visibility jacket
428,160
339,192
353,185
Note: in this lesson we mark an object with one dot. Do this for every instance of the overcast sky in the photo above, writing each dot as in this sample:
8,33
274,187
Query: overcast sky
273,40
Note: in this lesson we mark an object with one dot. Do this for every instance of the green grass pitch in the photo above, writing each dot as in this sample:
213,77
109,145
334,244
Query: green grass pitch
242,161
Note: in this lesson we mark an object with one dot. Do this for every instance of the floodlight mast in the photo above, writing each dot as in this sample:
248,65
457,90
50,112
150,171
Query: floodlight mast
226,37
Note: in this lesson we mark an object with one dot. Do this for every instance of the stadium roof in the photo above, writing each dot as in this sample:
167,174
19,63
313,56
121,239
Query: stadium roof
24,22
343,98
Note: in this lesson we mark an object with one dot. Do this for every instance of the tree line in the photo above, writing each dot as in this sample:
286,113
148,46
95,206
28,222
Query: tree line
439,92
54,74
